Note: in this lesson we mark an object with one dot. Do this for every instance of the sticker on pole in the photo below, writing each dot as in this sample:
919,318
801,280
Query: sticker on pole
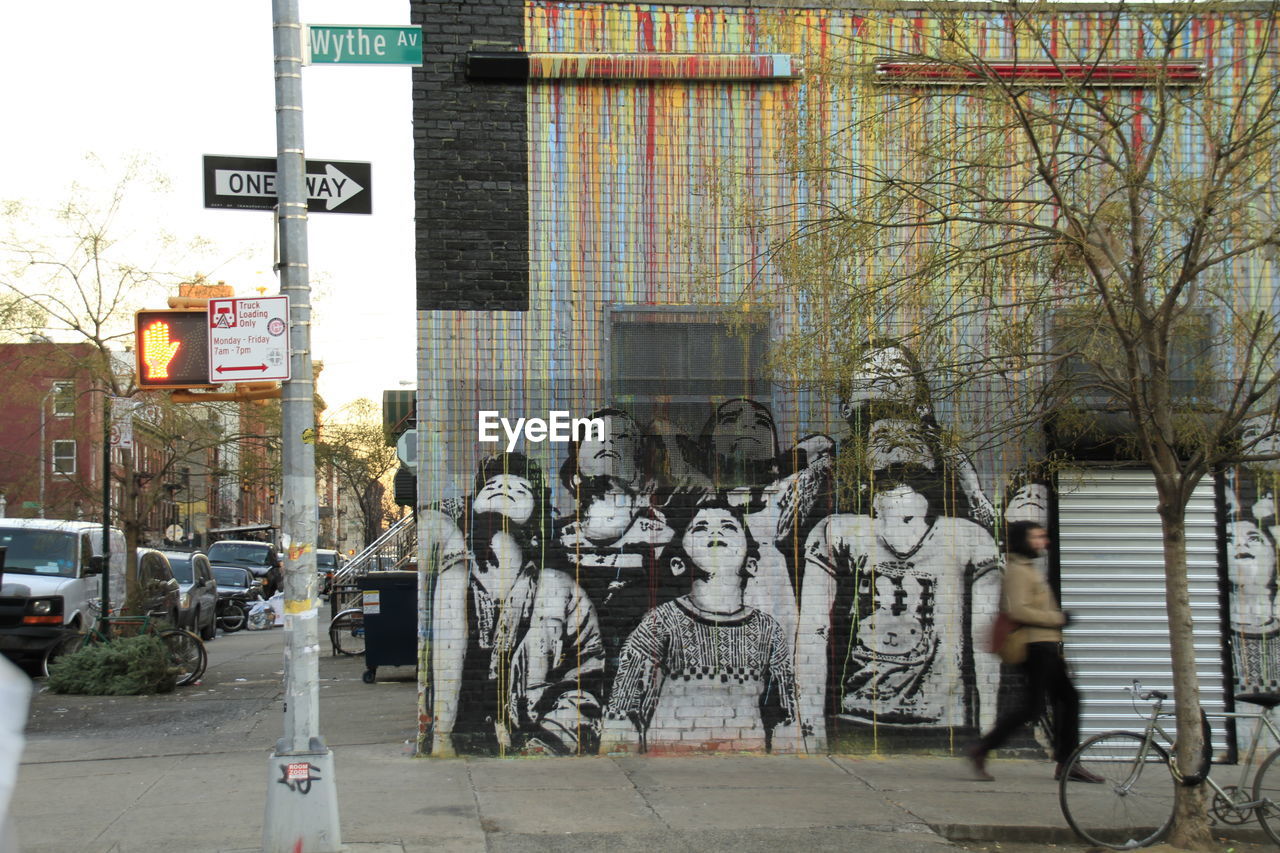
249,339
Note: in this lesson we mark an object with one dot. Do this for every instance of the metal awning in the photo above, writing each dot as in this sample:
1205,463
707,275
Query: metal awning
247,528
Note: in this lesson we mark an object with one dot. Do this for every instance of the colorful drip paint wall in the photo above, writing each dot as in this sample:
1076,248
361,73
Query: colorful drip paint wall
600,596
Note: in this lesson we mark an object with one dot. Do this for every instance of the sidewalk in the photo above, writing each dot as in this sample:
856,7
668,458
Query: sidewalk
121,775
213,802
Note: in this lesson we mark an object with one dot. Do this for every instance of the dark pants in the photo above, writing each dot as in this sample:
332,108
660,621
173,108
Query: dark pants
1046,678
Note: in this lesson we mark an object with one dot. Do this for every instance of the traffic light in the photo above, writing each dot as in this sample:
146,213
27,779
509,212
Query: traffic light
173,348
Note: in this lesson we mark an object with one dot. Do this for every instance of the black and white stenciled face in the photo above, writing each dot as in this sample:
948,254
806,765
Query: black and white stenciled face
1258,437
716,543
885,376
897,442
614,456
507,494
1029,503
744,431
1251,558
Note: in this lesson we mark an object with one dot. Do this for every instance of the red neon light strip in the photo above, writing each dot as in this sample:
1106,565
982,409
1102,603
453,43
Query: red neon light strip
1101,74
663,66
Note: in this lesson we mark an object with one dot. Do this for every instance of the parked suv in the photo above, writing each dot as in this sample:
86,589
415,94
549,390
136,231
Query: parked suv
198,592
261,558
257,557
158,590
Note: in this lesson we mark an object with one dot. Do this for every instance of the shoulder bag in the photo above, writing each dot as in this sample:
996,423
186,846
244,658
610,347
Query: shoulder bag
1008,641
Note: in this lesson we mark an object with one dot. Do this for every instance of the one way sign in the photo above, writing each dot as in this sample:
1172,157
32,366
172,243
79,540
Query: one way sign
249,183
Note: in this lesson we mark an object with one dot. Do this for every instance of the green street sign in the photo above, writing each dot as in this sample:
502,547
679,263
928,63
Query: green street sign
360,45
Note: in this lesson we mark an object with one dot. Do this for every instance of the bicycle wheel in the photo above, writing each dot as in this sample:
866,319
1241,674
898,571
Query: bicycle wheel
346,632
1134,805
1266,787
72,641
186,653
233,617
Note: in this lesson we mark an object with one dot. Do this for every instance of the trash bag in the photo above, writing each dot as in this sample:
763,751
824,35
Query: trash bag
261,616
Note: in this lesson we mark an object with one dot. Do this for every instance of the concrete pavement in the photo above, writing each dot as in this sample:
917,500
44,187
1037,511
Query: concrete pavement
189,772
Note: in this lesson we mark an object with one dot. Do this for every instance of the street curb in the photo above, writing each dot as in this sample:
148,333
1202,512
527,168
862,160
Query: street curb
1000,832
1064,834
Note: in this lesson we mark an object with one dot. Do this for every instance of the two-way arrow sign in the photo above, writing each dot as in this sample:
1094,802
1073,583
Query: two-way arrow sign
249,183
258,367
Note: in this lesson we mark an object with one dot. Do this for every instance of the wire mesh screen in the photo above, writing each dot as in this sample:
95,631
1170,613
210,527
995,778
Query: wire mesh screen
677,367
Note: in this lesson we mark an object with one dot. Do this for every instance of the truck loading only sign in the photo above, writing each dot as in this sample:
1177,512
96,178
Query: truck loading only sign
249,339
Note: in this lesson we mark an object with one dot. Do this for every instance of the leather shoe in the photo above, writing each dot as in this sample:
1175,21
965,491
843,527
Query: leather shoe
977,758
1078,774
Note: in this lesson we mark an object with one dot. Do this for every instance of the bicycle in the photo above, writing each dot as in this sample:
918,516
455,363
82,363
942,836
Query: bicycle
346,632
187,653
1133,805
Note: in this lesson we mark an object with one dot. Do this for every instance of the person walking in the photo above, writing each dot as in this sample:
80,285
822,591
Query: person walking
1029,602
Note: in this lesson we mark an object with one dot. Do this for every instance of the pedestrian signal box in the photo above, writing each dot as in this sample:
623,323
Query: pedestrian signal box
172,347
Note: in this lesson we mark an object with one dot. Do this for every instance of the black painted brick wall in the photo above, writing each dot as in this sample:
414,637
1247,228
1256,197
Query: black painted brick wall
471,193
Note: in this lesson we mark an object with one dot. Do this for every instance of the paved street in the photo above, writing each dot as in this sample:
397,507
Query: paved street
187,772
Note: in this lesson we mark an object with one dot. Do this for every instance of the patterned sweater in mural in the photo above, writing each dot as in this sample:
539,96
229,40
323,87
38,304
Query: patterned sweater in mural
623,578
1257,658
692,678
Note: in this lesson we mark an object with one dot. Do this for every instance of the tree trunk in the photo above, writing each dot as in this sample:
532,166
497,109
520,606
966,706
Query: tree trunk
1190,822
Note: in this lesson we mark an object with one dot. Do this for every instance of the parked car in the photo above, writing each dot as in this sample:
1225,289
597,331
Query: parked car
237,587
198,591
257,557
52,581
261,558
158,589
327,564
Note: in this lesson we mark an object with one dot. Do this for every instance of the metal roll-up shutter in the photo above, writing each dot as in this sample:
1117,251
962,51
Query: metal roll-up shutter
1112,581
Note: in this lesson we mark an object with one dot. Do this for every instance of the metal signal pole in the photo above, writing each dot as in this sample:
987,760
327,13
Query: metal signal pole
302,801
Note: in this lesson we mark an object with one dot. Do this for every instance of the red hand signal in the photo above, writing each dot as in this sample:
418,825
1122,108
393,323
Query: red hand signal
157,350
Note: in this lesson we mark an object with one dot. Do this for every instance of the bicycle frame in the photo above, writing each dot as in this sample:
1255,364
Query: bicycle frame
94,634
1264,721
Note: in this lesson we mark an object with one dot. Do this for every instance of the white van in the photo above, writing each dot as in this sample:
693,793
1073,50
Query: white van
52,579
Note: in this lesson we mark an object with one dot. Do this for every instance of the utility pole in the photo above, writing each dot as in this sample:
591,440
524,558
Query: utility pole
302,801
104,613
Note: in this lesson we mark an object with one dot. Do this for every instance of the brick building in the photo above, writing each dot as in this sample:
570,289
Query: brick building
51,437
564,155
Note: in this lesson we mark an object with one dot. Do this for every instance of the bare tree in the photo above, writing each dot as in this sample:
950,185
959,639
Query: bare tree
74,286
352,443
1081,221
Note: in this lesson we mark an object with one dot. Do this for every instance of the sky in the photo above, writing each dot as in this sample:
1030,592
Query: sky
173,81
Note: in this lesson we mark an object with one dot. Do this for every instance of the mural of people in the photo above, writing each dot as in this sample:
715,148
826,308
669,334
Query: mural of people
613,542
517,661
548,634
707,650
892,614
